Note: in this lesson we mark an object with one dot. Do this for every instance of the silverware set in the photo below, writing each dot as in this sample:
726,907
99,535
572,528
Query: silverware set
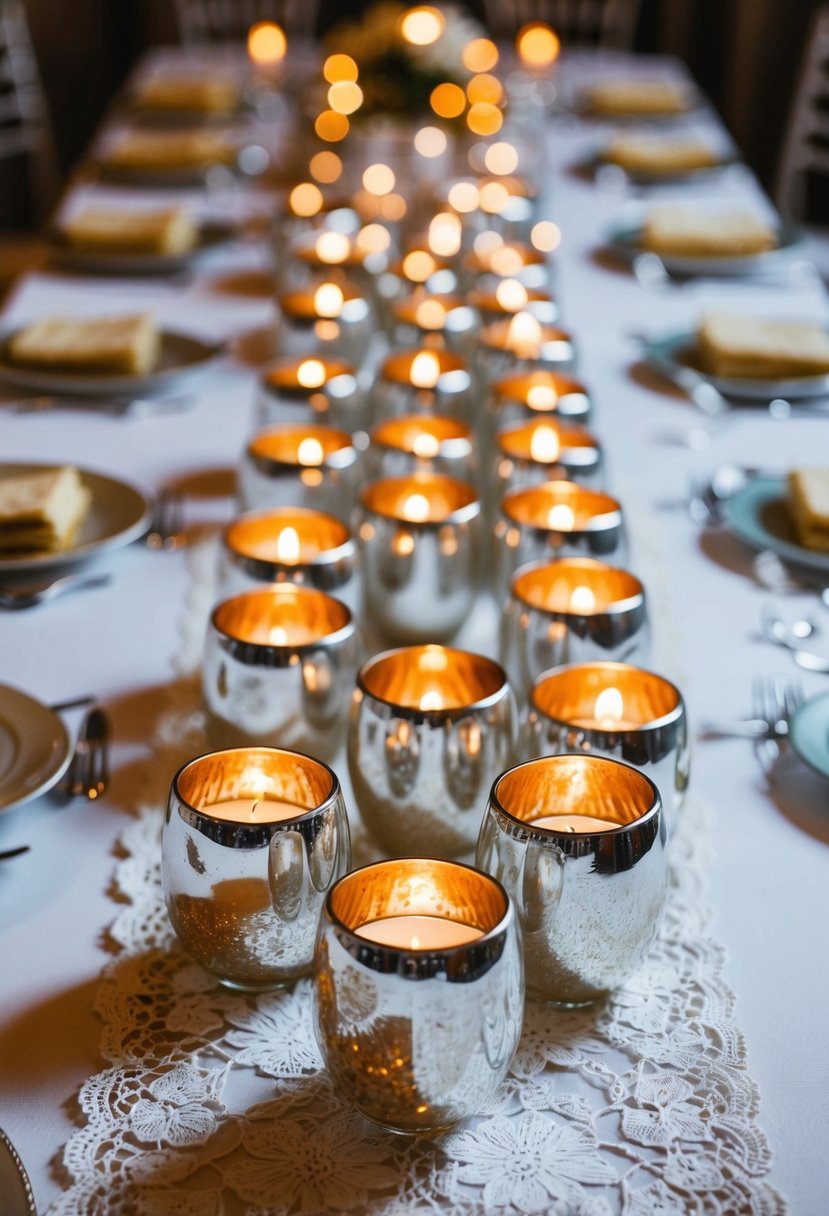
773,702
167,524
791,637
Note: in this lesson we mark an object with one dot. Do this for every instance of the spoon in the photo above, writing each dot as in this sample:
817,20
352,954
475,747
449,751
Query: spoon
771,573
790,636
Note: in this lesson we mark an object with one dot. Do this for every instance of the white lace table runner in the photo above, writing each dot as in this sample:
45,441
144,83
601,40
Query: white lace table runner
215,1104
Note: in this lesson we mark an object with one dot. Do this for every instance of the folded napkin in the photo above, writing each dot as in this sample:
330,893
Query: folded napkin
120,345
113,230
739,346
169,150
42,511
686,232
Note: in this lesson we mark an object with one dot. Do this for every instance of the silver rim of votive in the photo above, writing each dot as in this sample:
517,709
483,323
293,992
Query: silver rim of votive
556,348
354,307
616,608
604,522
453,447
265,569
583,457
574,402
669,718
271,466
254,835
460,515
448,713
450,383
268,654
459,316
299,391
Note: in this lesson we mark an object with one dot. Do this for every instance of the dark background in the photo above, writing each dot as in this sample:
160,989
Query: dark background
744,53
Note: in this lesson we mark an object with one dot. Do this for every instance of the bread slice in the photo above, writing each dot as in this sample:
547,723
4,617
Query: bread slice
42,511
159,151
684,232
118,345
657,155
198,94
619,98
746,347
113,230
809,503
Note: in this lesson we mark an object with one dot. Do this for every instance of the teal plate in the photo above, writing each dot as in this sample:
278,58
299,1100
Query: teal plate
759,514
809,733
626,243
674,353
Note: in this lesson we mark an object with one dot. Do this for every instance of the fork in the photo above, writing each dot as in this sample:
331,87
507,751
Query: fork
14,598
167,524
775,700
88,772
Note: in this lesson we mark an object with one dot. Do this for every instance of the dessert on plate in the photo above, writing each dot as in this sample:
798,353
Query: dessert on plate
171,230
685,232
115,345
42,511
642,152
199,94
634,96
740,347
809,505
168,151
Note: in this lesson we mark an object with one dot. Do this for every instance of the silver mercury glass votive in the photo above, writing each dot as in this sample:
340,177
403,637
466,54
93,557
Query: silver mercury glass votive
555,519
419,539
616,710
429,730
419,992
522,343
289,545
278,669
307,465
307,389
537,394
492,259
421,443
422,381
252,841
508,297
579,842
541,449
326,316
439,321
570,611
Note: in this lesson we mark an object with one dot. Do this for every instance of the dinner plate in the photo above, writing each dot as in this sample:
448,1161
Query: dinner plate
598,163
182,357
809,733
34,748
119,513
674,353
626,243
759,514
210,236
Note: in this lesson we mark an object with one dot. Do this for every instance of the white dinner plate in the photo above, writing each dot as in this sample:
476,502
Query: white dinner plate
35,749
119,513
182,357
210,236
677,352
626,243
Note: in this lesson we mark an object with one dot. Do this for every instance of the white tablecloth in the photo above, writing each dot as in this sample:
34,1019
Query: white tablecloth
770,862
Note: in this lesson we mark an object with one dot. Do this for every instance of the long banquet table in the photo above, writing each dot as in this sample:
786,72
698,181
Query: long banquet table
767,868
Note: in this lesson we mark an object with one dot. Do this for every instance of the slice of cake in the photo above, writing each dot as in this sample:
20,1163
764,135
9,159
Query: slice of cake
112,230
199,94
159,151
118,345
809,503
645,153
683,232
745,347
629,96
42,511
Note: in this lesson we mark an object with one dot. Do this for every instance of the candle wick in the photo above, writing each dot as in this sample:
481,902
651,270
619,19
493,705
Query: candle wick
256,802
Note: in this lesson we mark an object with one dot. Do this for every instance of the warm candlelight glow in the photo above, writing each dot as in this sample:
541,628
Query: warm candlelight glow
541,396
485,88
278,636
328,300
506,260
379,179
416,508
430,314
486,243
422,25
431,700
511,295
326,167
479,55
582,600
288,548
345,97
419,265
545,236
609,709
501,158
430,142
310,451
425,370
445,235
332,247
373,238
339,67
484,118
463,196
524,336
331,126
538,45
494,197
448,100
305,199
545,445
561,517
425,445
267,43
311,373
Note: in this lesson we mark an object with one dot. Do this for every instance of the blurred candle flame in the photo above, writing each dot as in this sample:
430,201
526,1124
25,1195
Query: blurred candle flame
425,370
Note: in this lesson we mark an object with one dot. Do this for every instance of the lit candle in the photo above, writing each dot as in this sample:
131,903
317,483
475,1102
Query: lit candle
572,823
524,339
537,394
538,46
311,387
511,296
542,450
284,616
254,810
421,442
326,316
608,713
290,465
493,257
419,933
422,380
267,45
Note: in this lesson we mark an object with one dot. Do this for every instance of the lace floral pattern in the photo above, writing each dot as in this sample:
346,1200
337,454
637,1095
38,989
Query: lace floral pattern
215,1104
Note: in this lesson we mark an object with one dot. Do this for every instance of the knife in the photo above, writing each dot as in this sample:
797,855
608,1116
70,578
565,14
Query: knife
15,1188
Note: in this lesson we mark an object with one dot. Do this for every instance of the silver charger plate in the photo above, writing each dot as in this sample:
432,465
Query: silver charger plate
759,515
211,236
35,748
626,243
182,357
119,513
676,352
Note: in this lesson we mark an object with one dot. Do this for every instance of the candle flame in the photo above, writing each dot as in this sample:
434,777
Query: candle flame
423,25
609,708
425,370
431,700
374,238
524,335
419,265
311,373
332,247
430,314
545,445
379,179
506,260
305,199
463,196
511,295
267,43
538,44
416,508
561,518
582,600
430,142
310,451
494,197
415,942
278,636
288,546
501,158
328,300
425,445
545,236
541,396
445,235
